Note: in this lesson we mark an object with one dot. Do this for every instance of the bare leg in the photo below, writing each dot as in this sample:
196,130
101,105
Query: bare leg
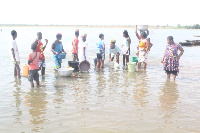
168,76
15,71
145,65
18,71
127,59
43,71
124,59
32,84
101,66
98,63
38,83
174,77
139,64
102,63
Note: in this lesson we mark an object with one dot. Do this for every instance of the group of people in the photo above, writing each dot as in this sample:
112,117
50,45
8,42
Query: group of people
36,58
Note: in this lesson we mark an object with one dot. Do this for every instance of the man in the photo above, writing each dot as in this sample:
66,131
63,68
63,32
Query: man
114,51
75,46
41,49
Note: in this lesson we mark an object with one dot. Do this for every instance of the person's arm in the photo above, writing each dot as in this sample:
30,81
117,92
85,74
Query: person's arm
148,47
29,59
137,35
63,50
181,53
162,61
76,44
45,44
84,53
147,32
13,54
52,48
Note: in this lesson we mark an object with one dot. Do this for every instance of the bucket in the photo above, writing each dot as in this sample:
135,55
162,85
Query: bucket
131,66
62,56
84,66
25,70
74,64
135,59
142,27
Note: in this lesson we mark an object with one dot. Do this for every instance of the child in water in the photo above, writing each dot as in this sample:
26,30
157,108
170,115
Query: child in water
33,61
57,48
15,55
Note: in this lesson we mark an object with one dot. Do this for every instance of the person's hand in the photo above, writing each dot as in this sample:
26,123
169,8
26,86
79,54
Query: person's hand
57,53
178,57
144,54
39,68
85,58
127,52
109,60
46,41
162,61
64,52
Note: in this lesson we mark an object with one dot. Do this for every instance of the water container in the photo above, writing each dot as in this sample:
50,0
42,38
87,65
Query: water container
135,59
142,27
131,66
25,70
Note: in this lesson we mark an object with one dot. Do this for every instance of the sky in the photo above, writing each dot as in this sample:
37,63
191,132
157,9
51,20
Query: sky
100,12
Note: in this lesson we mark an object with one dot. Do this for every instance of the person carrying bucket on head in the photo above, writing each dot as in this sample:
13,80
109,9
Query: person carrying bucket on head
57,48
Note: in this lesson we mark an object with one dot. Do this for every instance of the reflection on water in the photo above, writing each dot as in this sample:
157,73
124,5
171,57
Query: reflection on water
36,102
141,91
168,98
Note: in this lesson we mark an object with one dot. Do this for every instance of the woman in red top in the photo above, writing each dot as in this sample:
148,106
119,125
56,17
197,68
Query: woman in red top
41,49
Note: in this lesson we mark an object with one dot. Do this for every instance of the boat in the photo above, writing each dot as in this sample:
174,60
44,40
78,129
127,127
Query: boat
190,43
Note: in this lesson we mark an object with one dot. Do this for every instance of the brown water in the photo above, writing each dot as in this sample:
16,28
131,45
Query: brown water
112,100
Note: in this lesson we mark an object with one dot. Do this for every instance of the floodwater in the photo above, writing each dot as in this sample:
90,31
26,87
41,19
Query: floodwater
111,100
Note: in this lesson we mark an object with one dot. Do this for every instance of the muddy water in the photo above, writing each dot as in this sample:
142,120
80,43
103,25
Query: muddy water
110,100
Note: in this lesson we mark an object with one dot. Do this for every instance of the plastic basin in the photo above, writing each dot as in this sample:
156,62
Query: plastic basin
65,71
74,64
142,27
84,66
62,56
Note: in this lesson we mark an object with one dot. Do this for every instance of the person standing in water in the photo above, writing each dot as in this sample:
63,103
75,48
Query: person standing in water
171,58
126,48
15,55
33,61
57,48
75,46
41,49
143,49
100,51
83,56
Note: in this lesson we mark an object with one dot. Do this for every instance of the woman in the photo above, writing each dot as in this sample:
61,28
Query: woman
143,49
57,48
171,58
83,49
126,47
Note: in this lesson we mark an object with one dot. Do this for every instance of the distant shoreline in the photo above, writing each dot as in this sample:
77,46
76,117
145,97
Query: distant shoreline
91,26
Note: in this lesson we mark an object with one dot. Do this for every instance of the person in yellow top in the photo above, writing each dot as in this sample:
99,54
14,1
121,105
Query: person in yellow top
143,50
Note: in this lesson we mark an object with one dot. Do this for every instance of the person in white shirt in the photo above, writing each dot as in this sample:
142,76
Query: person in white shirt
114,51
82,54
15,55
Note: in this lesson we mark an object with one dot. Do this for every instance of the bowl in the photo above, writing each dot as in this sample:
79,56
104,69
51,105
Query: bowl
65,71
84,66
62,56
142,27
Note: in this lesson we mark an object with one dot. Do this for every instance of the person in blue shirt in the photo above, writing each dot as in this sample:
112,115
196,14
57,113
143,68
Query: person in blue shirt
114,50
100,52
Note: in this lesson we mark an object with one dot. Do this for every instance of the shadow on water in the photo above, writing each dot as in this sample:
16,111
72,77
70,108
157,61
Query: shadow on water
168,98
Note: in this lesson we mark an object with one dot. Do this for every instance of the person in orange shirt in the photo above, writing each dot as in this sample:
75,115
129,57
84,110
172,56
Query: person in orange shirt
41,49
33,61
75,46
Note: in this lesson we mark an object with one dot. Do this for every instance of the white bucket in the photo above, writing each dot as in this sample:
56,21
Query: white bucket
142,27
131,66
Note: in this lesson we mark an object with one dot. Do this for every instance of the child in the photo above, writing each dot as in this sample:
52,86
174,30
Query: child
100,51
75,46
15,55
41,49
33,60
57,48
126,48
83,49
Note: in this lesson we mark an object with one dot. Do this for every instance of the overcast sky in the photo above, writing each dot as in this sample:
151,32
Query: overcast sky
100,12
